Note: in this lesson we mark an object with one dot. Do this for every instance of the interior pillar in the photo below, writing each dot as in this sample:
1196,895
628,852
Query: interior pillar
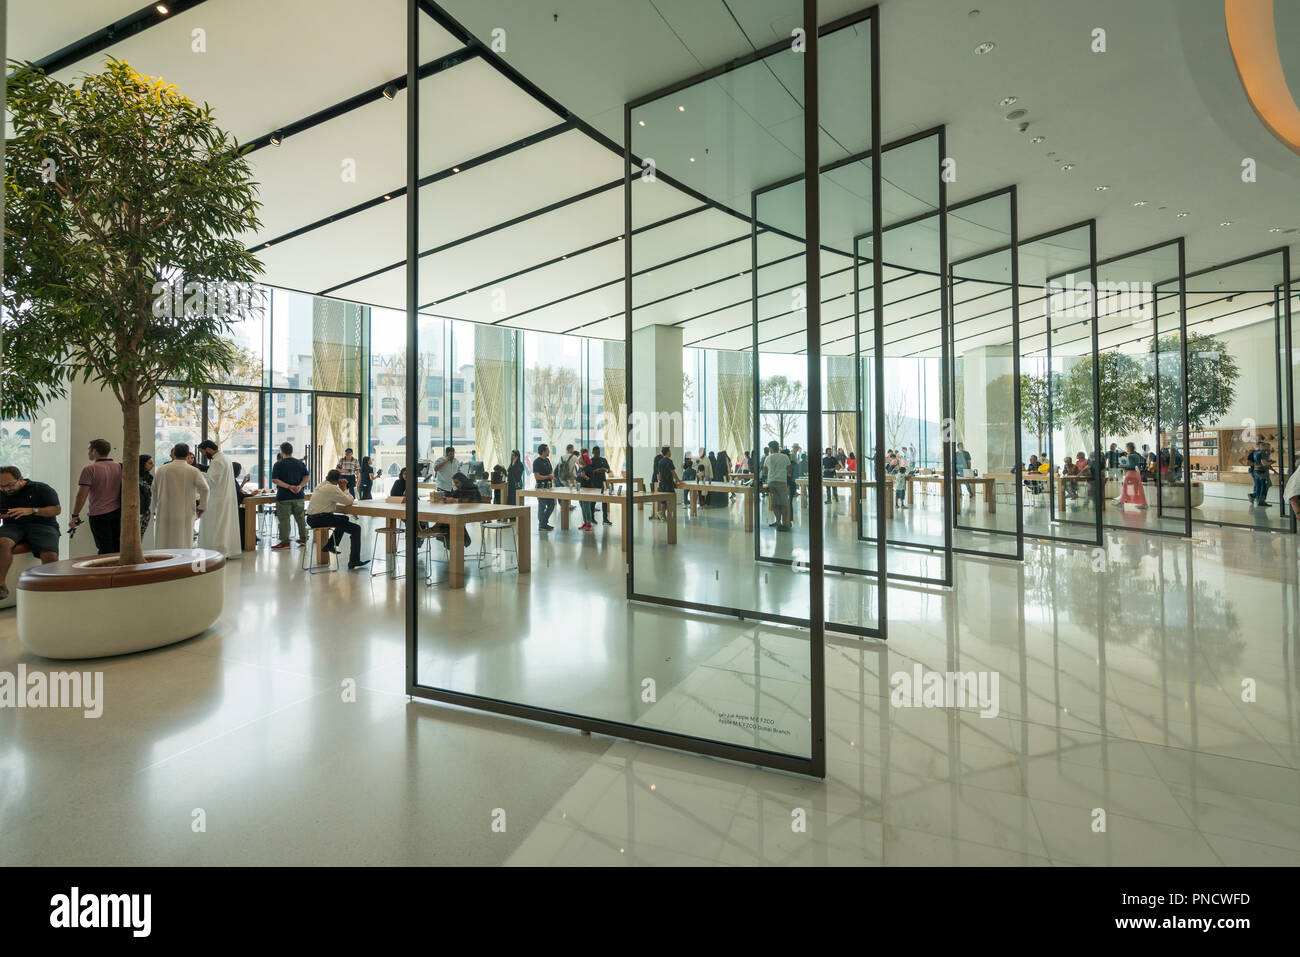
656,396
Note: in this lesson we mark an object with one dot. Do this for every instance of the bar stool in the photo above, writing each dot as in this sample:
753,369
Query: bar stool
397,533
319,538
498,529
427,537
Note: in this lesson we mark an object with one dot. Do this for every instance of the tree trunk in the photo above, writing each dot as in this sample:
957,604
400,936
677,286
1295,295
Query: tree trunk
132,549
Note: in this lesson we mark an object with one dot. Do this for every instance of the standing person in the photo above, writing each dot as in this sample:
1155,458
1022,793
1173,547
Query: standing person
498,477
703,467
514,477
27,516
366,479
180,493
1132,491
146,490
219,526
777,466
101,481
900,485
1260,461
543,476
600,470
349,468
962,463
588,481
240,479
443,469
829,464
289,476
1113,456
322,512
1290,494
688,475
852,464
665,481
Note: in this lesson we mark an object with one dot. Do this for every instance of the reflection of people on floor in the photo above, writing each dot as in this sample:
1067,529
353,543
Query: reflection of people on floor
1131,492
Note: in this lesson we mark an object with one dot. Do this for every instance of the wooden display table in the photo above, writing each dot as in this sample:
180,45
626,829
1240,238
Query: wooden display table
854,505
587,495
431,487
986,483
456,515
727,488
637,483
249,505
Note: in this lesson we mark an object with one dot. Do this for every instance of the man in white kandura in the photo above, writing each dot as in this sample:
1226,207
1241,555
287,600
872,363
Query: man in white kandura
219,526
176,485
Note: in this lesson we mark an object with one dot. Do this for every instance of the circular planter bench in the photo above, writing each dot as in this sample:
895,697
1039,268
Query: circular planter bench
90,608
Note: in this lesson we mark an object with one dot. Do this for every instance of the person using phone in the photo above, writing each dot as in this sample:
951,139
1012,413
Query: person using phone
27,517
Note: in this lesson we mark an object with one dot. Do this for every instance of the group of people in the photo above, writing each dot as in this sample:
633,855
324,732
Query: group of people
574,469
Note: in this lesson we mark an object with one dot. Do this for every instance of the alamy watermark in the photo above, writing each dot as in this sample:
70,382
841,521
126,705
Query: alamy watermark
1074,300
945,689
175,298
58,689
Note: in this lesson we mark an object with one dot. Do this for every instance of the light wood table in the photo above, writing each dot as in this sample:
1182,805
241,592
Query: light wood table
432,487
638,484
726,488
249,505
455,515
854,505
587,495
986,483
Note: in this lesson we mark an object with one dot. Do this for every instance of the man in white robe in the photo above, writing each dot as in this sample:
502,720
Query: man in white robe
219,526
176,486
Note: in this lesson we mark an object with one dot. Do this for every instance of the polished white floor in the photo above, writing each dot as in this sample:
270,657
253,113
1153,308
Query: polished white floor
1121,677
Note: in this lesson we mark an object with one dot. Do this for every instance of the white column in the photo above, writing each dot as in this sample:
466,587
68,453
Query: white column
61,431
656,396
986,428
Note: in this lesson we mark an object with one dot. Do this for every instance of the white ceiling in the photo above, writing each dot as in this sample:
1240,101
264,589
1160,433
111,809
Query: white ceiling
1160,118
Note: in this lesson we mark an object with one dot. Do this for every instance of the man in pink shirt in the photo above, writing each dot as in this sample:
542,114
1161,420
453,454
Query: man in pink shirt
101,480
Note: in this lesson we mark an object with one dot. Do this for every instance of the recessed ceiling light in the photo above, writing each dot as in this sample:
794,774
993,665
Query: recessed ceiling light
1066,167
388,196
1228,223
1140,202
161,8
1102,189
681,109
985,47
1006,101
642,122
455,169
1181,215
1017,114
692,159
1037,139
1275,229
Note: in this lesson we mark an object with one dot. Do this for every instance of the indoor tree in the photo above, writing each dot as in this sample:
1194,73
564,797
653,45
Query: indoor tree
1123,386
126,208
1212,376
778,398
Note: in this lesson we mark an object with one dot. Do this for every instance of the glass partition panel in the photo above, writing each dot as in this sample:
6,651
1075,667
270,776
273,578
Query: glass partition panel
1241,426
1140,338
983,332
1059,384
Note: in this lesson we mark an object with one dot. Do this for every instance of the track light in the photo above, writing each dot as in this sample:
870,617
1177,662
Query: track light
277,137
390,91
161,8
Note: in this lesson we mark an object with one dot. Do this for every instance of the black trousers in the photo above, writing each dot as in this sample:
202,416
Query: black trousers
107,529
341,526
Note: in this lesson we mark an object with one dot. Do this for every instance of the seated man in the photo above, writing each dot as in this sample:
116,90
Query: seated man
27,511
331,495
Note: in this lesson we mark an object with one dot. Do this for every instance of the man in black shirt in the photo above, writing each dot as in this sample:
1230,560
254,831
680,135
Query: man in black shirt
543,475
599,470
289,476
27,510
829,464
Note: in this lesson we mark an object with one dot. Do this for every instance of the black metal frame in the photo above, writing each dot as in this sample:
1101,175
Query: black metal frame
1014,250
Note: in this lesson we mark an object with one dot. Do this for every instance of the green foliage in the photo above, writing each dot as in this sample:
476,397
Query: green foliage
1124,389
776,395
1212,376
111,187
1035,405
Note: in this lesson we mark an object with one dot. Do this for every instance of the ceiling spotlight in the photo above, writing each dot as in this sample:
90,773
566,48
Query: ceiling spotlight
641,122
692,159
161,8
681,109
985,47
1181,215
1038,139
1140,202
277,137
455,169
1275,229
1102,189
1006,101
388,196
390,91
1229,223
1066,167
